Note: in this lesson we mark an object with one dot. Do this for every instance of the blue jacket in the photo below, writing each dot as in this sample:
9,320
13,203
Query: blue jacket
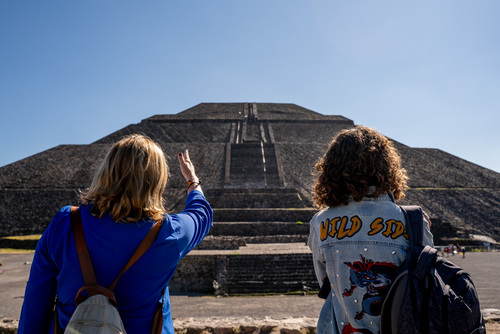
56,269
359,247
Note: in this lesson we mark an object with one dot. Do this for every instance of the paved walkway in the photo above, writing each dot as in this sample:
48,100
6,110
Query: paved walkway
483,267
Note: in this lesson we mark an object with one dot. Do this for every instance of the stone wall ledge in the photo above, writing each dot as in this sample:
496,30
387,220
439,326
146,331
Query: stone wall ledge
220,325
248,325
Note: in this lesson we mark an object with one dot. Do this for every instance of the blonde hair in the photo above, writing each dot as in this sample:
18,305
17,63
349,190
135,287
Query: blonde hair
357,159
130,182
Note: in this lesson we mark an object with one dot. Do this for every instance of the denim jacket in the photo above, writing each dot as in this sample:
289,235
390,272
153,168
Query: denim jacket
359,247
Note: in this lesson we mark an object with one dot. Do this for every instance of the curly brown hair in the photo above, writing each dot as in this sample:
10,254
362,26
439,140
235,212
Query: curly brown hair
357,159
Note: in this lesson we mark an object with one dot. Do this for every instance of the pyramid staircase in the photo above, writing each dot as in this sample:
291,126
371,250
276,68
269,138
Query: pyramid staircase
254,208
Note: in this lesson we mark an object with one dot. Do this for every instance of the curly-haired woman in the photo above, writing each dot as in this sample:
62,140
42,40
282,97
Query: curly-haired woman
358,238
119,209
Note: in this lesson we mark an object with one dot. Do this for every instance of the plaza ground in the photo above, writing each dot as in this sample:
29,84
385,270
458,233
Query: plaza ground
483,267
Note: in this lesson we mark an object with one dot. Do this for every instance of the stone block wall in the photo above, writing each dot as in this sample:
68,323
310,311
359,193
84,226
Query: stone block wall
240,274
263,215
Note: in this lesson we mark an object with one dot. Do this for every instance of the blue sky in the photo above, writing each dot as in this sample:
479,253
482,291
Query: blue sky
425,73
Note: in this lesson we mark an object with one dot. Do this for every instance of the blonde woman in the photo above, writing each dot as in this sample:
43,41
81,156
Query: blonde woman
358,238
120,207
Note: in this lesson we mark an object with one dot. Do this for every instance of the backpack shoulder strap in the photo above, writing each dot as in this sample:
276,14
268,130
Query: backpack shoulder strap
414,224
83,252
425,262
148,240
81,247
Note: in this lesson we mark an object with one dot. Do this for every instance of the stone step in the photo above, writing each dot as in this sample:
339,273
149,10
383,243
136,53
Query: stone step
211,242
288,275
256,198
257,249
266,239
272,263
251,229
272,286
247,163
254,268
253,164
29,243
263,214
270,272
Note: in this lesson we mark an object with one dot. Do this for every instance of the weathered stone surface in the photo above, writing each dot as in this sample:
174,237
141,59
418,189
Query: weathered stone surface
241,149
235,272
8,326
491,314
245,325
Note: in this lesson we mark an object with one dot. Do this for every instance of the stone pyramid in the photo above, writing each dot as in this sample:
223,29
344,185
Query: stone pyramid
256,162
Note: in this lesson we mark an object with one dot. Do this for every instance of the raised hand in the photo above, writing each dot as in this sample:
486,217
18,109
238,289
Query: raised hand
187,169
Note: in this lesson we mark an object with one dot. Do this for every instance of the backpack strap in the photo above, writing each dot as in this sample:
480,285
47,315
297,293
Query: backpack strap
84,256
426,260
158,318
81,247
148,240
414,224
92,290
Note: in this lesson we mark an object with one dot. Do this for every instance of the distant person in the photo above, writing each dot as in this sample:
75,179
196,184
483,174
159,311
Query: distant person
358,237
120,207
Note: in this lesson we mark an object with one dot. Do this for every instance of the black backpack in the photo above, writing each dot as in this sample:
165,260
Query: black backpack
429,294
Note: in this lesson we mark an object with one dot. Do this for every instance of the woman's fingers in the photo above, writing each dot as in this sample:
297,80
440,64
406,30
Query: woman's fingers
186,165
